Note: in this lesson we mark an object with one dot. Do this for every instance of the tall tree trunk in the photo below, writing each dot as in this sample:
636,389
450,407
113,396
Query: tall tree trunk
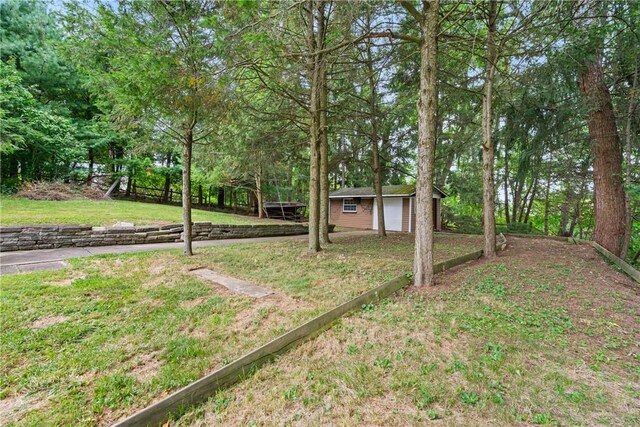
488,188
517,195
627,150
91,162
506,183
187,149
259,192
375,137
427,124
566,207
534,190
167,181
524,201
234,198
576,212
441,180
546,206
127,191
314,131
324,150
610,217
220,197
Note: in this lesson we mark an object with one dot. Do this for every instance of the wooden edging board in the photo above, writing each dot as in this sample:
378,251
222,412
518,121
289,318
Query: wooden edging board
202,389
632,272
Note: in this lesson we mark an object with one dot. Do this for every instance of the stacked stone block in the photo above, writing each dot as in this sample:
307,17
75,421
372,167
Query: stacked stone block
28,237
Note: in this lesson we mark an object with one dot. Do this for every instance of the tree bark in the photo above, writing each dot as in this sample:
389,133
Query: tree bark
167,181
220,197
566,206
627,150
488,187
427,126
546,206
506,183
534,191
91,162
324,148
610,217
259,192
187,149
576,212
314,131
375,137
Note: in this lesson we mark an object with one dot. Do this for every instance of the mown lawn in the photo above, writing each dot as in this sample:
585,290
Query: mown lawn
546,334
93,343
17,210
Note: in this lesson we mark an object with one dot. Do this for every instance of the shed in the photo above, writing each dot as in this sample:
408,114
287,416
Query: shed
356,207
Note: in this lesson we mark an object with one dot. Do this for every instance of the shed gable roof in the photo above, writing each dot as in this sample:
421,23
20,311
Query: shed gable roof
404,190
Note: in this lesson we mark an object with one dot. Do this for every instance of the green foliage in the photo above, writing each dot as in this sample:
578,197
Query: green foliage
31,131
519,227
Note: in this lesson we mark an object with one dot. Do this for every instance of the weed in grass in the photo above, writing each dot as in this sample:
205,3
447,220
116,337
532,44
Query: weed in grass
383,362
469,397
424,397
494,351
426,368
291,393
220,401
543,418
432,414
367,308
497,398
456,366
353,349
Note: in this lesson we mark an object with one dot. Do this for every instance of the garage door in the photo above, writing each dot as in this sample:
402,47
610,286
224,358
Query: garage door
392,214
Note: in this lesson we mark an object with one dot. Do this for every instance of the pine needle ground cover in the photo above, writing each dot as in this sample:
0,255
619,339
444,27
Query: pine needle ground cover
546,334
106,337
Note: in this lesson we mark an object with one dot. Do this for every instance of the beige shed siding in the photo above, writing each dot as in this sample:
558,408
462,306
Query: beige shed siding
362,218
405,214
413,215
437,213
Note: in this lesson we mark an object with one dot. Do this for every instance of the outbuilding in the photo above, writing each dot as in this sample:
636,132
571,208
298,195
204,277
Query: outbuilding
356,207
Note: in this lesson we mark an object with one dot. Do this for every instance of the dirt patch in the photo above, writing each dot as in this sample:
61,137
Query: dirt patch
193,302
147,367
13,408
45,322
76,275
58,191
274,309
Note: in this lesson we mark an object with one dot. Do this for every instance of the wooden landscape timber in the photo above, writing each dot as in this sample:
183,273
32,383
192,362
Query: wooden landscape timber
632,272
201,390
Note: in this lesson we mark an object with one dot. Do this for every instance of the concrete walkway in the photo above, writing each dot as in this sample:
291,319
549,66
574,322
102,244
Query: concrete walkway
53,259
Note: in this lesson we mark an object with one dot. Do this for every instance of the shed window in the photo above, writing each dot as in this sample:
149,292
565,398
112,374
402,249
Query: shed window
349,205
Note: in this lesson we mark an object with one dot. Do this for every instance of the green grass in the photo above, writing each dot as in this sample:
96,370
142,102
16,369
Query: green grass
17,210
95,342
543,337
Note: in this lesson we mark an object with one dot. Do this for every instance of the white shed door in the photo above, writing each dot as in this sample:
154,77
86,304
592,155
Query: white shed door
392,214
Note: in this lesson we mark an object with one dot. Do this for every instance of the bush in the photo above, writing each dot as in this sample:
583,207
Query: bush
519,227
58,191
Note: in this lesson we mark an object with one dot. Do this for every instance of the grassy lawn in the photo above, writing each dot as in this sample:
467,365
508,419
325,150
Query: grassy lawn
93,343
546,334
17,210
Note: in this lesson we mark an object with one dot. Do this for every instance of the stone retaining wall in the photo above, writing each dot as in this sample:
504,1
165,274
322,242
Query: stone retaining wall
27,237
